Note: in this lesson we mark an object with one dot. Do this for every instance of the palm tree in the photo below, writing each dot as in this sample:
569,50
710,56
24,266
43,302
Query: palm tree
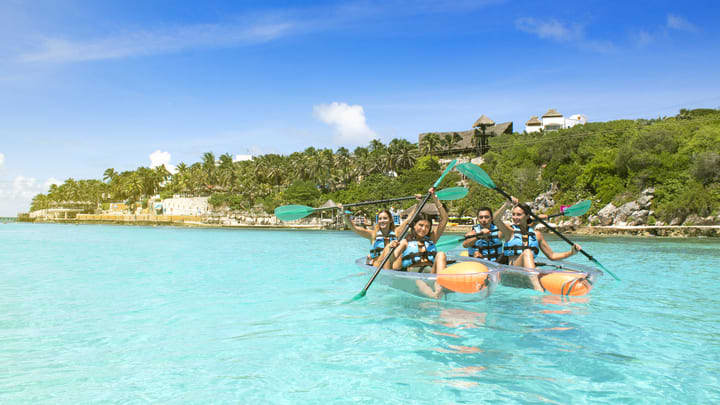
109,174
208,166
430,143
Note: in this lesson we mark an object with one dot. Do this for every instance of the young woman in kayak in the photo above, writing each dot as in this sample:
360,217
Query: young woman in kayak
380,235
523,242
484,239
418,252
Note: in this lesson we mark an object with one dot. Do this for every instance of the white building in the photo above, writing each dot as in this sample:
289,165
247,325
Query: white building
533,125
575,119
185,206
552,120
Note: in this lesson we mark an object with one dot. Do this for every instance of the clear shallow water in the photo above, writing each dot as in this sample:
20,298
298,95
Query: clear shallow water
173,315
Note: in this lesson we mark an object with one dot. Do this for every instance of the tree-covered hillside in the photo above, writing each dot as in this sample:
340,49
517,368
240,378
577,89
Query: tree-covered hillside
606,162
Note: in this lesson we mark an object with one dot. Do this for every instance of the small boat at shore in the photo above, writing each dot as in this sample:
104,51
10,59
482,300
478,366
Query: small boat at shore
464,280
555,277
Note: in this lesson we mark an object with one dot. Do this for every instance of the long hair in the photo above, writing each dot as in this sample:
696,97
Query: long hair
392,220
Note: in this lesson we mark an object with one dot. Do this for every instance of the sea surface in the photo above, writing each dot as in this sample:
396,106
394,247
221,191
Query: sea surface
113,314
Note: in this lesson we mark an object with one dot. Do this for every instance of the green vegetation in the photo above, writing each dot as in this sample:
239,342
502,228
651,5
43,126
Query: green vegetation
605,162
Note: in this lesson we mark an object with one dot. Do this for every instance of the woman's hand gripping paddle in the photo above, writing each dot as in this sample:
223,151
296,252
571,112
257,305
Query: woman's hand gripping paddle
293,212
404,233
477,174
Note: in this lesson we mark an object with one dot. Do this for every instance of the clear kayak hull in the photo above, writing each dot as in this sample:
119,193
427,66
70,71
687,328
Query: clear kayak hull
557,277
463,280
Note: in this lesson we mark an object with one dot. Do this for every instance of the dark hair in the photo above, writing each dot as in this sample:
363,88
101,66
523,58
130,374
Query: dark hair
392,220
488,209
421,217
530,219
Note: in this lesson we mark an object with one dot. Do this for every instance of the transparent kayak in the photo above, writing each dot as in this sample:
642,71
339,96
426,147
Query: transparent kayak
555,277
465,280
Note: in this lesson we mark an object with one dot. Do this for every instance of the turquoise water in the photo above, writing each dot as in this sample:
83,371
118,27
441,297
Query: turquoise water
171,315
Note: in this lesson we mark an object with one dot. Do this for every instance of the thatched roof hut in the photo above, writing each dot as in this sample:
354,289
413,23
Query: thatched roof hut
533,121
429,209
552,113
329,204
483,120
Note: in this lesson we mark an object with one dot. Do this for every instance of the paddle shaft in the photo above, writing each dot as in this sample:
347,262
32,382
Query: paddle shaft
555,231
402,236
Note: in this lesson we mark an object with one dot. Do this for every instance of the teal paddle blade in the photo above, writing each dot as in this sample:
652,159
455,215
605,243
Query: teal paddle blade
450,243
445,172
477,174
578,209
452,193
293,212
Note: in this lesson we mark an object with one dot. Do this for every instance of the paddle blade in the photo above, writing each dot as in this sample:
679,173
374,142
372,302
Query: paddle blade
445,172
449,243
293,212
476,173
452,193
578,209
358,295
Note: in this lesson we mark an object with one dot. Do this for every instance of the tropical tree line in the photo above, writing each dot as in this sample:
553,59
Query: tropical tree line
607,162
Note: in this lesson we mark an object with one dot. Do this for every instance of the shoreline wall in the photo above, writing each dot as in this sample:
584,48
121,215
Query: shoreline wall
270,222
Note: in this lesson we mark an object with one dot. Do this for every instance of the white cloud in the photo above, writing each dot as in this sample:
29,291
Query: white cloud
642,38
679,23
160,158
51,181
20,192
347,120
550,29
561,32
129,44
2,159
240,158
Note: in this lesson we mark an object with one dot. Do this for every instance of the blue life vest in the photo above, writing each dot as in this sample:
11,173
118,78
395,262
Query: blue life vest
379,242
490,246
413,255
520,242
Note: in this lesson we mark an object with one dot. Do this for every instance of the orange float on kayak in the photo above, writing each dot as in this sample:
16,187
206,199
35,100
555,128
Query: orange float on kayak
566,283
464,277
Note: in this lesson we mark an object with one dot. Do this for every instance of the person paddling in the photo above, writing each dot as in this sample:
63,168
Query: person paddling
418,253
523,242
380,235
484,239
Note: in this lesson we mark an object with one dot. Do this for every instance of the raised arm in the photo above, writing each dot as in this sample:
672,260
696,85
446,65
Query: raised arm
547,250
443,217
504,228
401,228
364,232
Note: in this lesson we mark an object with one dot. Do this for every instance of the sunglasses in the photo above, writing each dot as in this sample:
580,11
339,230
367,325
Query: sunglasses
484,217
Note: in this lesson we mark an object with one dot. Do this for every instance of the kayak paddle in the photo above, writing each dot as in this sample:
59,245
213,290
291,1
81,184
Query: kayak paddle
476,173
293,212
574,210
404,232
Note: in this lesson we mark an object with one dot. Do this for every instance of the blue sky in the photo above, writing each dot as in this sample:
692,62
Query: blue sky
88,85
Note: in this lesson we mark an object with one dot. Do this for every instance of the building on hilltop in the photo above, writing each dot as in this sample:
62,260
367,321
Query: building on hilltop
552,120
533,125
473,141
